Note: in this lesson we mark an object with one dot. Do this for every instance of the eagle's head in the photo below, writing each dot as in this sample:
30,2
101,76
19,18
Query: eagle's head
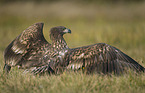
58,32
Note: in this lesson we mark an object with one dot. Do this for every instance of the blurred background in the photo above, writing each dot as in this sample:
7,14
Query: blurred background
120,23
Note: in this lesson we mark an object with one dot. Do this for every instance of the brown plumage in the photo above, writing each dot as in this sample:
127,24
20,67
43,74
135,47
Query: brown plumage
101,58
55,53
31,51
98,58
26,50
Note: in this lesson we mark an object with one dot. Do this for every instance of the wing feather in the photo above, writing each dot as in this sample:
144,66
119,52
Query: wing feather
27,49
100,58
103,58
106,59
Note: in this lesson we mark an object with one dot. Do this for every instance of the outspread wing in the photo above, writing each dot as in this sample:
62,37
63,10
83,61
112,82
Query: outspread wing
101,58
27,49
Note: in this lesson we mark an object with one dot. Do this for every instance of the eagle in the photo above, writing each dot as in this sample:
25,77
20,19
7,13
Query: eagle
97,58
30,50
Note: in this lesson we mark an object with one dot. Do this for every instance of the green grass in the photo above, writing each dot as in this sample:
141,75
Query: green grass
121,25
16,82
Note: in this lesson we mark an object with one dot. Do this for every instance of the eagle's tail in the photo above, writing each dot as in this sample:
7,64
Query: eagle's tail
6,68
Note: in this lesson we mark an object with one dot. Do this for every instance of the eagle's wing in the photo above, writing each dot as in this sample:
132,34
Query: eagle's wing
101,58
26,49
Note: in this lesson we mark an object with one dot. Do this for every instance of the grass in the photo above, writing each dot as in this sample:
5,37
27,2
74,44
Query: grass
121,25
17,82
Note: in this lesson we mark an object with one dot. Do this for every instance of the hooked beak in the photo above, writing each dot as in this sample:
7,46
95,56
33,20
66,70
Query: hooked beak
67,31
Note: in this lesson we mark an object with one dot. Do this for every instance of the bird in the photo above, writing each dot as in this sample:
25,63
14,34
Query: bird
98,58
30,50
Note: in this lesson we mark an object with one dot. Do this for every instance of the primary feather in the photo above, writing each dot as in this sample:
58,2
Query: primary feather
101,58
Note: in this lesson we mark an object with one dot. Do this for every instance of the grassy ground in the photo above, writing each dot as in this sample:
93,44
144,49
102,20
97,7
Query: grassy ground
121,25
